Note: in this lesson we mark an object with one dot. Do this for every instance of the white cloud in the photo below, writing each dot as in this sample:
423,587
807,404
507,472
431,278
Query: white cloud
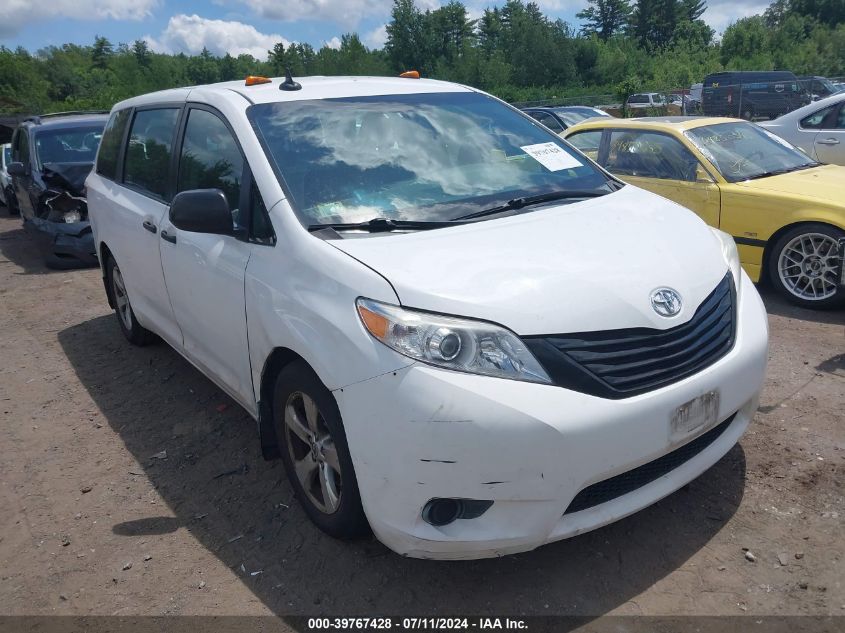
346,12
333,43
377,37
191,33
721,13
16,13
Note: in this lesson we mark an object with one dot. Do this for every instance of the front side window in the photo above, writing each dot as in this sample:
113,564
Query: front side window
210,158
110,144
649,155
743,151
74,145
436,156
7,156
149,150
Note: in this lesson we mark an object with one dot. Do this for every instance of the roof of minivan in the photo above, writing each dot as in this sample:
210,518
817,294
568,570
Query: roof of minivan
312,88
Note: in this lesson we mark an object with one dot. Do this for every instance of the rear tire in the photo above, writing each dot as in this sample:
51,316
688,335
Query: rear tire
134,332
312,443
804,266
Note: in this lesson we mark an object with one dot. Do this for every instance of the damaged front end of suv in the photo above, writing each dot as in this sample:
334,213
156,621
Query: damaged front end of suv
60,220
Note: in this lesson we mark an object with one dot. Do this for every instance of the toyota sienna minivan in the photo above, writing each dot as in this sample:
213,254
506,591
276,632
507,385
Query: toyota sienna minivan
454,329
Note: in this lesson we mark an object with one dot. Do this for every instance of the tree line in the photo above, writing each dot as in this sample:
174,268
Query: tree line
513,51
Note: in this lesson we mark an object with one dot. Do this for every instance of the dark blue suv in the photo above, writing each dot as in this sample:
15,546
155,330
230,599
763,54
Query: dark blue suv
52,155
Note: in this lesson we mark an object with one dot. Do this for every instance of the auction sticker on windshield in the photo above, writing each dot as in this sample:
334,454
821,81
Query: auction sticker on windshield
551,156
698,413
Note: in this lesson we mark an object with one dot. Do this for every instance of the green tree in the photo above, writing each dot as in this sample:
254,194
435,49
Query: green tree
100,52
605,18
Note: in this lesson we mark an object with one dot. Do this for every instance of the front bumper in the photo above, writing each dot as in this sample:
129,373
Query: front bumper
422,432
64,245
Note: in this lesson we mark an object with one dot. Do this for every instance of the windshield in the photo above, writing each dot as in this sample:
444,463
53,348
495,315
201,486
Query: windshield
74,145
741,151
420,157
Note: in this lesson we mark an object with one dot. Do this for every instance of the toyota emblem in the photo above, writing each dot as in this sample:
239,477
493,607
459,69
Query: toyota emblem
666,302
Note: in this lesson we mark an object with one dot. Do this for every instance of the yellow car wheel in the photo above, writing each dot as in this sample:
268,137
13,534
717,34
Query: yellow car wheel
804,266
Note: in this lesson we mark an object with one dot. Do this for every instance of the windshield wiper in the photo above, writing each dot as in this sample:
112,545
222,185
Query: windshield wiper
527,201
384,225
785,170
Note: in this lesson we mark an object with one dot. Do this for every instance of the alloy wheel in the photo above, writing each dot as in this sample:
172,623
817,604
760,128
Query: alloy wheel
808,266
312,452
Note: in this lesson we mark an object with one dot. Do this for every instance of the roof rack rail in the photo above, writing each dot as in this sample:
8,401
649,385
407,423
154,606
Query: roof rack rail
37,118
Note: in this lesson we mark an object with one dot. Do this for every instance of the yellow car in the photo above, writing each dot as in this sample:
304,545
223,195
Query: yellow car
785,211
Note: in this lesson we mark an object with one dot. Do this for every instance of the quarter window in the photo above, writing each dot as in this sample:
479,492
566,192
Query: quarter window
649,155
149,151
110,145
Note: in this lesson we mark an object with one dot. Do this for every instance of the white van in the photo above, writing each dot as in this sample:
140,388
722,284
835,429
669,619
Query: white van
455,329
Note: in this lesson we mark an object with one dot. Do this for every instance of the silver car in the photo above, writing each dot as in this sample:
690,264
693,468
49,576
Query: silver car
6,193
818,129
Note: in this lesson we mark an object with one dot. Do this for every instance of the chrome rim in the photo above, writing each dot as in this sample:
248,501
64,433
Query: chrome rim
312,452
808,265
121,299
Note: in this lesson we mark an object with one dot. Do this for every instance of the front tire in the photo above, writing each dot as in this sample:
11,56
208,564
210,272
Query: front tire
12,202
804,266
315,454
134,332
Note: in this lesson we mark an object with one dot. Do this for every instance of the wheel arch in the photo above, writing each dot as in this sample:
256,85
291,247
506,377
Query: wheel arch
278,359
105,253
775,237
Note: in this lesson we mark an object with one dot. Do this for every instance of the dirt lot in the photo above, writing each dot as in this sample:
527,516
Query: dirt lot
129,484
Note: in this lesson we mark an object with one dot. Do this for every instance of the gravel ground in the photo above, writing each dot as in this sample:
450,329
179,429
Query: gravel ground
130,485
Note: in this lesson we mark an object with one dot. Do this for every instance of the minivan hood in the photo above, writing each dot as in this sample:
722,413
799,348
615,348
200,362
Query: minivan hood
822,183
575,267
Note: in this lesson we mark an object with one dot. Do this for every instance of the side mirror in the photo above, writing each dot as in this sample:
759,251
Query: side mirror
202,211
702,176
16,169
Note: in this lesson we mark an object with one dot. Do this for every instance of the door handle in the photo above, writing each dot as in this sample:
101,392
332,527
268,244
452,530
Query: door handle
168,237
828,141
149,226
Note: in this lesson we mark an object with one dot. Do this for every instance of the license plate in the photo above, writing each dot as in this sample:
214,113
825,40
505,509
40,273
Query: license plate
698,414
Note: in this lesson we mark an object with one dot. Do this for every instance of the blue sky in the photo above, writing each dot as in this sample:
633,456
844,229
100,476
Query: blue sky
237,26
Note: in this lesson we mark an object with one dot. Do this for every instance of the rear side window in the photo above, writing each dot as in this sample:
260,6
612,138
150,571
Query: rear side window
110,145
150,147
815,120
548,120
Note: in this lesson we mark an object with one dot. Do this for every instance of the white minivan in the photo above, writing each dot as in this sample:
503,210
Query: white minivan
455,329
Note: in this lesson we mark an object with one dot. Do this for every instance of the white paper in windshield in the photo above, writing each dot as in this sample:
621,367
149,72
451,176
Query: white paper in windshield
551,156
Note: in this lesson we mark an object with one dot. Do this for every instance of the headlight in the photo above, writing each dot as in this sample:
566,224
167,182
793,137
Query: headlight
474,347
730,254
72,216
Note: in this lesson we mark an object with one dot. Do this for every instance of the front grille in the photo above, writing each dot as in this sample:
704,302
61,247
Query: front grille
619,485
623,363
